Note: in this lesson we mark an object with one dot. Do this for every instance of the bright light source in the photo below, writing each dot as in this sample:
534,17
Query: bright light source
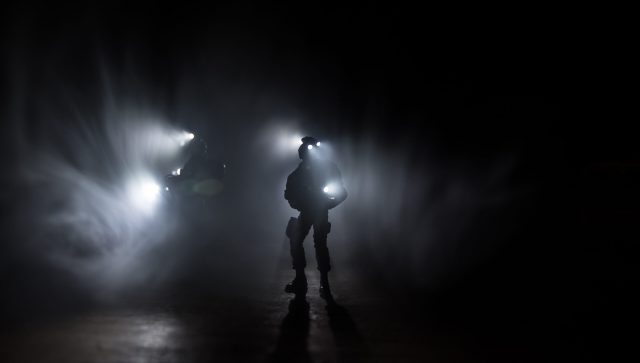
330,188
309,147
176,172
143,194
185,137
150,190
318,143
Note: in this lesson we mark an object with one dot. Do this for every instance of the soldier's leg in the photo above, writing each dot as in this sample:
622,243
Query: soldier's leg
321,229
297,230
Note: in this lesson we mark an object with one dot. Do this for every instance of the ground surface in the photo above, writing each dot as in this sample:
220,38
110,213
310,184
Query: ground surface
364,328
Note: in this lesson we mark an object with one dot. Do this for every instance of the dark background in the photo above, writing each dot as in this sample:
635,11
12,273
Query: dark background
449,96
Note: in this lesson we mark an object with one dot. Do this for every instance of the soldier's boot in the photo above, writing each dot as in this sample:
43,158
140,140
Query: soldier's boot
299,284
325,290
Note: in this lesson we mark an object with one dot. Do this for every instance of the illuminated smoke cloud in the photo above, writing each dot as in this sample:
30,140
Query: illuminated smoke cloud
96,200
92,175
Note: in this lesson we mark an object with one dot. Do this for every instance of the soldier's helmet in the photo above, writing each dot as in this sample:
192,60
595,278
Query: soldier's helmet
309,146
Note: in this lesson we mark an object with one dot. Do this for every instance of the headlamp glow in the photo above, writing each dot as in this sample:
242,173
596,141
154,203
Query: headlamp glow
144,193
331,188
186,137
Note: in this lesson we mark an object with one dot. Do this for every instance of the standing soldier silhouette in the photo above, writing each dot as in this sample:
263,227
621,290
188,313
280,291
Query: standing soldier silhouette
313,188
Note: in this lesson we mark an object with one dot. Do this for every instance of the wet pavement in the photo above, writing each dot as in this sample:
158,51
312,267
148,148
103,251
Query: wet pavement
271,328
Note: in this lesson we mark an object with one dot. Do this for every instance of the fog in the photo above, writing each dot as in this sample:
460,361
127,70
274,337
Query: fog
492,185
81,172
88,130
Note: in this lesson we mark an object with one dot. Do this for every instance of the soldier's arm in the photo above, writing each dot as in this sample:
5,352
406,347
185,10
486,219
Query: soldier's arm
289,192
343,190
341,194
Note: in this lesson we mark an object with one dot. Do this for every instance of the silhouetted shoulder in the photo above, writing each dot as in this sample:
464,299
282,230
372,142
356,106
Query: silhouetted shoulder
295,173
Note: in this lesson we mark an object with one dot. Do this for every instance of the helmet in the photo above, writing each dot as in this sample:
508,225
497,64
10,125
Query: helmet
308,144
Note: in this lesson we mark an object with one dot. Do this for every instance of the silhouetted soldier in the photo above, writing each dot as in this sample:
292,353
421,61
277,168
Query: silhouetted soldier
313,188
201,176
200,164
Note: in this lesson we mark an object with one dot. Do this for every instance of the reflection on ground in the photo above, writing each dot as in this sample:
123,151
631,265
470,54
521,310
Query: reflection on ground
273,328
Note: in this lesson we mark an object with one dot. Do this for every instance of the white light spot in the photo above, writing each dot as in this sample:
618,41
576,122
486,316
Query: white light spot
309,147
144,194
318,143
185,137
150,190
330,188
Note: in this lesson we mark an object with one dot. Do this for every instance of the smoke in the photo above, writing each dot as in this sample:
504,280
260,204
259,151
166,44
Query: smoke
88,211
93,209
409,219
88,139
92,188
414,214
